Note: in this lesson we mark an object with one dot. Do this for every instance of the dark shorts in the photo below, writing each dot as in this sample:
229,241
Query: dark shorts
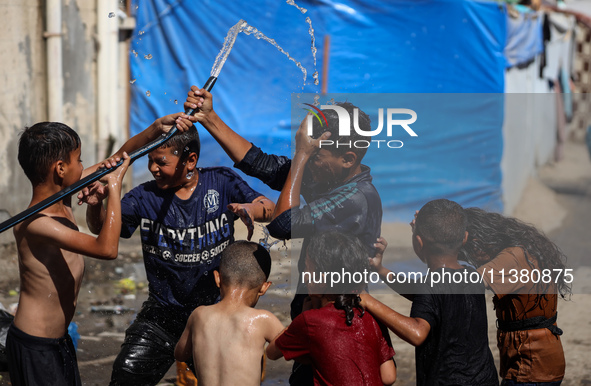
41,361
148,349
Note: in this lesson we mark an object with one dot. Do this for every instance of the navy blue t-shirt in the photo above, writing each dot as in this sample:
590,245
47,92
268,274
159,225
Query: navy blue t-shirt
182,239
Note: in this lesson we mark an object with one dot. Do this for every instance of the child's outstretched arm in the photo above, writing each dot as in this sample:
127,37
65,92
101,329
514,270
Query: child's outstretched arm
412,330
51,230
260,210
233,144
160,126
96,193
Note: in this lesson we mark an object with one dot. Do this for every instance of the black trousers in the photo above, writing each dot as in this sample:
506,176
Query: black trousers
148,349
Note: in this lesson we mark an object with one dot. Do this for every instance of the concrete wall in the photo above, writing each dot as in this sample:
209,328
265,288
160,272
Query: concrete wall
23,80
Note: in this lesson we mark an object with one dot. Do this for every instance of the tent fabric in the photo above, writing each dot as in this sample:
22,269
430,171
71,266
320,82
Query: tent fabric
395,46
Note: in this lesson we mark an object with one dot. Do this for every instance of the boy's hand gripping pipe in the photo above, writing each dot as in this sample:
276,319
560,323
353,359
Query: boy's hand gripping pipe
22,216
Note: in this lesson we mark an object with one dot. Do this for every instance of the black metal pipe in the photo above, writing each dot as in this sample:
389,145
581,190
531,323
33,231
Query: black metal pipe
89,179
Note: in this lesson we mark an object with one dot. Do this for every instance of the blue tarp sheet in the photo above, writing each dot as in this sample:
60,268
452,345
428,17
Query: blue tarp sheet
395,46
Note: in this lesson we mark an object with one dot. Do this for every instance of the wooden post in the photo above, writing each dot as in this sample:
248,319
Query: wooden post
325,60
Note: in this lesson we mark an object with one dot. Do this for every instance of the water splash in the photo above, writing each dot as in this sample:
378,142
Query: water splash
313,46
243,26
292,2
134,52
149,56
265,242
132,81
141,33
220,59
148,93
250,30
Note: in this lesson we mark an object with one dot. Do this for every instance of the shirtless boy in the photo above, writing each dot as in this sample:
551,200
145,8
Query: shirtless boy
227,339
50,249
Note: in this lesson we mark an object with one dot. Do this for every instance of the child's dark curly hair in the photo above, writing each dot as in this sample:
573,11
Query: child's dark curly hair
345,254
490,233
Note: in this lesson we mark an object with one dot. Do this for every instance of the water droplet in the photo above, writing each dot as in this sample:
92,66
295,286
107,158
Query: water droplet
134,53
175,152
149,56
111,14
205,273
132,81
148,93
176,102
141,33
186,148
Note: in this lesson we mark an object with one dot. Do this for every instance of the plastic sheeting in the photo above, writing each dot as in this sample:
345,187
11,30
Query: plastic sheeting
396,46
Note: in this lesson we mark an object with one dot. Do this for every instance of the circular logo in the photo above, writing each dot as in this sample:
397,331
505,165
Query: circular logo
166,255
211,201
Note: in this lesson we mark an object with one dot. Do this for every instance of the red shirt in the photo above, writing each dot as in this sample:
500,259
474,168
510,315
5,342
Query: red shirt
340,354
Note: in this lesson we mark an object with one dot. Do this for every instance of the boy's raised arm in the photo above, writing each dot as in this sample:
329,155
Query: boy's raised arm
94,194
233,144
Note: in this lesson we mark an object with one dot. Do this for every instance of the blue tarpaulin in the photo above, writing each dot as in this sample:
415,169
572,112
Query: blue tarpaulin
399,46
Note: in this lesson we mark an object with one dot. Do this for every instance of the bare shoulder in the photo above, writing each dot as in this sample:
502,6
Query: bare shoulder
45,228
269,324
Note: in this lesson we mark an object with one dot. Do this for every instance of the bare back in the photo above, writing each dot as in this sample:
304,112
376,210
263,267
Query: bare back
50,277
228,343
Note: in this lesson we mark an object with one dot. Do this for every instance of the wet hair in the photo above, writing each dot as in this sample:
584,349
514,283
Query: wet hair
332,119
245,264
184,143
441,224
338,252
43,144
490,233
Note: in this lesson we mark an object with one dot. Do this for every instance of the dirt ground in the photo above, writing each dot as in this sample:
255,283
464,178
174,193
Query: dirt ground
558,201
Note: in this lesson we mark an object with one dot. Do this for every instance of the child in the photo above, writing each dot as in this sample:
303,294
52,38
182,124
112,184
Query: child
186,217
227,339
508,253
447,322
328,338
50,250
